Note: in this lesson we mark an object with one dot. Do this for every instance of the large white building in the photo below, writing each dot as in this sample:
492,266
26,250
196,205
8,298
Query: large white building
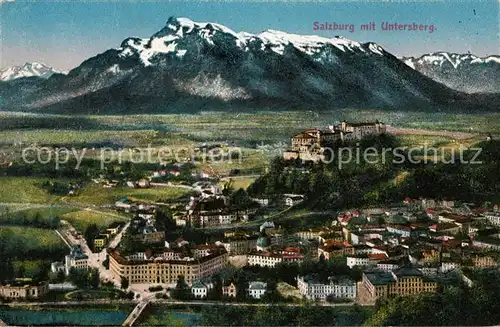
336,288
76,259
270,259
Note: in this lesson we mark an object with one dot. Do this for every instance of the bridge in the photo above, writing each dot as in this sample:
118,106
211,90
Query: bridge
136,313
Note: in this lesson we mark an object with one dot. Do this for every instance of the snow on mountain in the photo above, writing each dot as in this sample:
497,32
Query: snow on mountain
463,72
27,70
189,66
167,41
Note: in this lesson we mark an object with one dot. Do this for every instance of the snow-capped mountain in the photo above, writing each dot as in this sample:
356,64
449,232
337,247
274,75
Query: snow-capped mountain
463,72
190,66
27,70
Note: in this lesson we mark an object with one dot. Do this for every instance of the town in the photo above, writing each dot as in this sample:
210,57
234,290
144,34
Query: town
221,244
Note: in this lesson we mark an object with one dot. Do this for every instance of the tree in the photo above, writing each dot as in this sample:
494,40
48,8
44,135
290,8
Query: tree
105,263
181,290
20,271
79,277
164,222
124,283
94,278
241,200
91,233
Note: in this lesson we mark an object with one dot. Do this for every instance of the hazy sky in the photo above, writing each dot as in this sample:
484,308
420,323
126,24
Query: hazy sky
64,33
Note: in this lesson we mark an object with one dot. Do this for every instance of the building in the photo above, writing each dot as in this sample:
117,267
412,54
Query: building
76,259
229,290
240,244
57,267
357,131
311,234
100,243
484,261
336,287
262,201
114,228
403,231
293,199
493,217
332,249
271,259
402,281
256,289
388,265
358,261
123,204
199,290
23,289
165,267
487,242
310,144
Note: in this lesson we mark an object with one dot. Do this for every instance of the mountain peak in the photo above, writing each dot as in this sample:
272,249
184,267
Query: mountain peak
465,72
28,69
173,39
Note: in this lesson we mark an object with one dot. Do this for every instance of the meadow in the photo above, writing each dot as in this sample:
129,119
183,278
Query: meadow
24,190
83,218
28,243
97,195
245,129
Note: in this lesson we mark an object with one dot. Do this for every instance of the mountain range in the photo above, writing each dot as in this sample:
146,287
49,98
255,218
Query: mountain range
189,66
463,72
29,69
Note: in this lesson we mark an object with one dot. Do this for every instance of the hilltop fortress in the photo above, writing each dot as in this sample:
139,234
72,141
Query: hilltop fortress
310,144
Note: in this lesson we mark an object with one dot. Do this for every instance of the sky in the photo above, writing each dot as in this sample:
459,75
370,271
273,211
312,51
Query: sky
62,33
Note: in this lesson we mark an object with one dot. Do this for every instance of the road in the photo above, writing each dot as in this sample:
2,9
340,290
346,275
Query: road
95,259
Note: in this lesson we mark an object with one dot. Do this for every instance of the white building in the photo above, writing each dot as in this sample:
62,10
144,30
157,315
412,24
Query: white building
270,259
387,265
293,199
493,217
448,266
403,231
76,259
56,267
337,288
359,261
199,290
256,289
262,201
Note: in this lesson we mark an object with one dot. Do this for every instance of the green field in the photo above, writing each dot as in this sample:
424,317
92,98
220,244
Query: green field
24,190
27,239
98,195
13,211
30,267
28,190
63,136
243,128
83,218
